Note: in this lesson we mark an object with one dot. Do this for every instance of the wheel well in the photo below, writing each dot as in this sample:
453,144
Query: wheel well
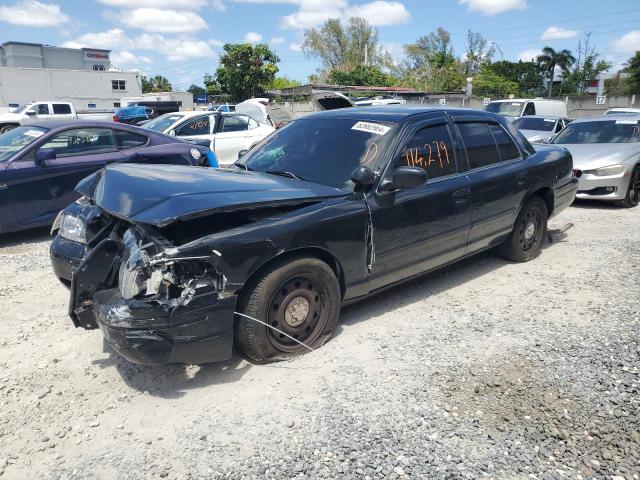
9,124
313,252
546,194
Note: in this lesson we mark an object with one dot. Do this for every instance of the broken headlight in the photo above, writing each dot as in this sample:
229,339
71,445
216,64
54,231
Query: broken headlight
73,228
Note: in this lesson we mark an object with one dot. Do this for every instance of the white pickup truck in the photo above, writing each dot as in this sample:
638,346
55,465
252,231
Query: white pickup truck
47,111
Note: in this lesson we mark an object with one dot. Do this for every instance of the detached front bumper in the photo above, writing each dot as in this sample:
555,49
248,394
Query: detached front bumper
65,256
613,187
152,334
149,330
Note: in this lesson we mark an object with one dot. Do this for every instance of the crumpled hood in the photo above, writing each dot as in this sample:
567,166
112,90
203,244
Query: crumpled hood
161,194
596,155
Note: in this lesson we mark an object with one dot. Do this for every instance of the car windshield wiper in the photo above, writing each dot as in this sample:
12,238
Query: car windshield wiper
284,173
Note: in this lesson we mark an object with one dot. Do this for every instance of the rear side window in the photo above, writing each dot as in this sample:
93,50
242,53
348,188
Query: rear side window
478,141
235,123
431,149
126,139
62,109
506,147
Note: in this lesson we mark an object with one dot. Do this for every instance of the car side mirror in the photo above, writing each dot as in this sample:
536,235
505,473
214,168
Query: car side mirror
242,153
44,154
404,178
362,176
172,133
31,113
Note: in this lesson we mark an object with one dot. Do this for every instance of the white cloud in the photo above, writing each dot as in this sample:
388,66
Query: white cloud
252,37
125,57
276,41
529,55
178,48
31,13
295,47
218,6
380,13
555,33
132,4
162,20
113,38
628,43
493,7
215,43
395,50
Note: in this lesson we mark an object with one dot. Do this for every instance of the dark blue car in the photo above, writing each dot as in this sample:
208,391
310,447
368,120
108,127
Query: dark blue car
41,163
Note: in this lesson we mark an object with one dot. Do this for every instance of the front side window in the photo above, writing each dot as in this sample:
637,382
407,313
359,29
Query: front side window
478,141
235,123
163,122
17,139
431,149
200,125
126,139
510,109
529,109
607,131
62,109
506,147
41,109
82,141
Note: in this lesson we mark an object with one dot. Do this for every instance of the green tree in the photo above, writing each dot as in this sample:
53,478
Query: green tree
246,70
160,84
344,48
283,81
479,52
550,59
632,70
361,75
146,84
486,83
197,91
527,75
211,84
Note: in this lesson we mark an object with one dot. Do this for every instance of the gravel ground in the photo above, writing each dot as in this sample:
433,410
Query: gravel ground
484,369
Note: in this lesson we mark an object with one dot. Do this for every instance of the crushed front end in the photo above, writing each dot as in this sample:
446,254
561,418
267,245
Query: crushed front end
153,306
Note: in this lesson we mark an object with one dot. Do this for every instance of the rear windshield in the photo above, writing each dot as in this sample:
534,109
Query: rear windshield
15,140
609,131
163,122
510,109
529,123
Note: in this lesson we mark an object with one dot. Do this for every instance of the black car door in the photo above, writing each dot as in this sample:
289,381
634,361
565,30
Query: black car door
40,189
418,229
498,178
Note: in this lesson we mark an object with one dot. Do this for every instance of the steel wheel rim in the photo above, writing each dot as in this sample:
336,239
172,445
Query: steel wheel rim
530,230
296,298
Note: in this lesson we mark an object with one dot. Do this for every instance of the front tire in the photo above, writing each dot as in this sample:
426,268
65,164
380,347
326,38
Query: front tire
525,241
632,197
6,128
300,297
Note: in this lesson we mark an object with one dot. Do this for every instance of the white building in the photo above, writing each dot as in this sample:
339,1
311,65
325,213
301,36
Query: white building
31,71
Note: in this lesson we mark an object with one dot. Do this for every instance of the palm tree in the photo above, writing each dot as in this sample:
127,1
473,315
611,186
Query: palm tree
160,84
550,59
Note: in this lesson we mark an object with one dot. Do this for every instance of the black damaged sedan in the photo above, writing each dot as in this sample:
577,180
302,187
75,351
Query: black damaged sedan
179,264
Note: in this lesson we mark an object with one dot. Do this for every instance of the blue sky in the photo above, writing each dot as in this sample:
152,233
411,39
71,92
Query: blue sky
182,39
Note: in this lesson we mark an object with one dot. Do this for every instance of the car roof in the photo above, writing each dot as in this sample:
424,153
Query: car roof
54,125
525,100
393,113
609,118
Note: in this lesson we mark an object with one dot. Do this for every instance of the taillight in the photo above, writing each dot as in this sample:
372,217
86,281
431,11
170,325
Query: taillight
115,118
577,173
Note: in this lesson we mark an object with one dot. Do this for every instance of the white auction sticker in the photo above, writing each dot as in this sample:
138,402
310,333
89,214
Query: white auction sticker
626,122
371,128
33,133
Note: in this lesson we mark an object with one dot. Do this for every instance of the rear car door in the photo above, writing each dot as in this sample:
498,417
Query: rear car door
419,229
233,135
40,191
498,179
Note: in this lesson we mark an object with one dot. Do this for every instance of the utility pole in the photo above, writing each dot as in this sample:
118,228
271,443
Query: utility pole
366,55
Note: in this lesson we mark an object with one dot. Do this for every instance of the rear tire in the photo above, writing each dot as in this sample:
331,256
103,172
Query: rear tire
632,197
300,297
525,241
6,128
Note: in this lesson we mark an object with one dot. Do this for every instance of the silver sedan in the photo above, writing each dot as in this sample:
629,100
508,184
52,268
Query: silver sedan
606,157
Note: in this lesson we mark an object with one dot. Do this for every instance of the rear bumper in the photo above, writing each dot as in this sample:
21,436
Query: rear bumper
564,196
152,334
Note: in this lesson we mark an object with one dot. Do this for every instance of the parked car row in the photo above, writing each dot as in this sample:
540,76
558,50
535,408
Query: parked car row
39,111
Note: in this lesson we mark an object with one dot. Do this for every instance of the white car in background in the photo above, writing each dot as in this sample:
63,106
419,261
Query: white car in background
379,100
622,111
229,132
537,128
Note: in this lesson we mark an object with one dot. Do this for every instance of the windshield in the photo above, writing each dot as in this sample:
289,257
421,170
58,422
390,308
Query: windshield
324,151
22,109
163,122
510,109
613,131
529,123
15,140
